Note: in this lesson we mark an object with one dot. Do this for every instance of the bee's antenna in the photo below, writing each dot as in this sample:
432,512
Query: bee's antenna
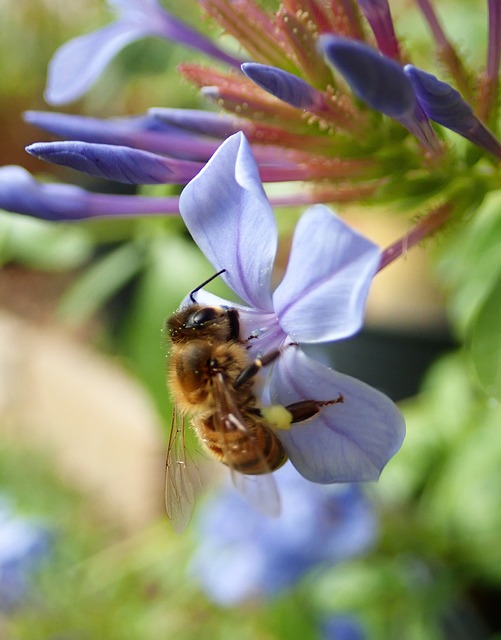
204,283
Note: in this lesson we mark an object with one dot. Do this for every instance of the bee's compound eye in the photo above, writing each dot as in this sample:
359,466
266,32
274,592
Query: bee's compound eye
201,317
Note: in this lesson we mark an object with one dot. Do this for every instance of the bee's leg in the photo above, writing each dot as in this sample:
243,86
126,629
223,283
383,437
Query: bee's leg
232,315
305,409
279,417
255,366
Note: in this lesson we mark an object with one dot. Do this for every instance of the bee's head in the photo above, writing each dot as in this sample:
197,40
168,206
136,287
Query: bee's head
195,321
215,324
203,317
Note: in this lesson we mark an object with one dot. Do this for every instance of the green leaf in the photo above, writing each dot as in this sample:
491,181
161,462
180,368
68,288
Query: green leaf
486,342
100,282
471,262
436,421
42,245
464,508
173,267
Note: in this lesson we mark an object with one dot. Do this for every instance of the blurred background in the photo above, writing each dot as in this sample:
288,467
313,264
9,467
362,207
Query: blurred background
86,550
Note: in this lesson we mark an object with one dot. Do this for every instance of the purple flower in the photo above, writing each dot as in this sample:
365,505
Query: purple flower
443,104
148,132
315,132
285,86
115,162
321,298
303,127
380,82
242,556
135,165
23,544
21,193
377,80
79,62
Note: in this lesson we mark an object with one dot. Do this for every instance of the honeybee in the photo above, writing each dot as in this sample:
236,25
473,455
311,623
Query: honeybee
212,380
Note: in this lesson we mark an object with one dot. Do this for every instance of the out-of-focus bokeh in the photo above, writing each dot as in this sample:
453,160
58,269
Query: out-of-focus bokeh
86,550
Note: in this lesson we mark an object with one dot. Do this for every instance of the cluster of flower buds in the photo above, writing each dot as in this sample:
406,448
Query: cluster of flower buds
324,92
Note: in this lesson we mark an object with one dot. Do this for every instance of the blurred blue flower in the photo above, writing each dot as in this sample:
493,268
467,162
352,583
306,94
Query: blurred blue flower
243,556
24,543
321,298
342,627
79,62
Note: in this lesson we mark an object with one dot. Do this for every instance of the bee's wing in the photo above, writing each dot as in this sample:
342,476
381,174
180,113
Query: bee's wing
259,490
179,492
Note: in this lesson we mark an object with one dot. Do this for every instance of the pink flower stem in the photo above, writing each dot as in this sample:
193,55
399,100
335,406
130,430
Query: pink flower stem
426,227
489,81
446,51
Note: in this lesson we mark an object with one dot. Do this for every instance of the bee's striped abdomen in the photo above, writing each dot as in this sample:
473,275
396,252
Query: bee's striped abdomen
253,451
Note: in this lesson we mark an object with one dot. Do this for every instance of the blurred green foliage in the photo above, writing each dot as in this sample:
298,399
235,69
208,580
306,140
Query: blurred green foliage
437,568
